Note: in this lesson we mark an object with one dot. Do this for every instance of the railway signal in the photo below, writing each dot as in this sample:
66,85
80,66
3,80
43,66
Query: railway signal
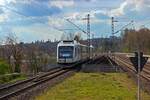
135,61
138,62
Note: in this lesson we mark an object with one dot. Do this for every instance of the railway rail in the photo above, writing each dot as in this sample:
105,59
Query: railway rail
126,62
22,86
27,80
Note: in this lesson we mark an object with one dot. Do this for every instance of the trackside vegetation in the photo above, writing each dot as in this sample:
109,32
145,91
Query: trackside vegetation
4,67
11,78
6,75
94,86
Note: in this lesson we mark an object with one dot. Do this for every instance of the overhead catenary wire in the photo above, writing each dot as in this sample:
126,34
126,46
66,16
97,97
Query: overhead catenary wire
123,27
19,13
76,26
14,11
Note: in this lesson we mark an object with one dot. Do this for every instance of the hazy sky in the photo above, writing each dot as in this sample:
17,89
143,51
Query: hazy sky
34,20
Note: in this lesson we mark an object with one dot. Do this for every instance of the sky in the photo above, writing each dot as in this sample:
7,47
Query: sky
33,20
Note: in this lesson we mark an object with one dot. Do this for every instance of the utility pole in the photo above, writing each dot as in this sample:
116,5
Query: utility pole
112,27
133,27
112,39
88,34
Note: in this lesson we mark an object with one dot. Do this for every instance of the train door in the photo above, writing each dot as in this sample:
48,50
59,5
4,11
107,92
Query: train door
75,54
79,53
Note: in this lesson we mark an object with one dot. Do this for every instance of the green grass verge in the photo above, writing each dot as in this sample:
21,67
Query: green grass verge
12,78
94,86
22,77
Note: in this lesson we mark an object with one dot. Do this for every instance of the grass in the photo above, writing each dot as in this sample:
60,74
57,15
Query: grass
22,77
94,86
12,79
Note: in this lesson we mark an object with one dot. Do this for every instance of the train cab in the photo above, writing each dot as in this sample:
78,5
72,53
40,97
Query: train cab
71,51
67,52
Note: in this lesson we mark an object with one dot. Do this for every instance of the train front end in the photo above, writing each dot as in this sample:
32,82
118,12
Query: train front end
65,52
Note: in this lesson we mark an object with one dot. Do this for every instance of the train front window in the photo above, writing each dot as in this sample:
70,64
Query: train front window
66,52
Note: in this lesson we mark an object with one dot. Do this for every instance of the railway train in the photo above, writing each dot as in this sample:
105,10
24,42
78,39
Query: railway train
71,51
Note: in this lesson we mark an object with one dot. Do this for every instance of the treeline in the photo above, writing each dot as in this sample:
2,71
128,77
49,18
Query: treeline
133,40
27,58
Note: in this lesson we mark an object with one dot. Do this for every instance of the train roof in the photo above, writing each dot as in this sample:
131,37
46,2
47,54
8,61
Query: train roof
68,42
71,43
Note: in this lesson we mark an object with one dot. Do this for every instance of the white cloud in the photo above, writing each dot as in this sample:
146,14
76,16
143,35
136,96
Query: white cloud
79,16
3,2
137,5
3,18
60,4
56,22
119,11
5,15
74,15
41,32
130,5
20,1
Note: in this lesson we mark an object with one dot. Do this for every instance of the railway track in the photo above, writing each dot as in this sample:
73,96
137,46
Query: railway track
27,80
146,68
125,61
16,88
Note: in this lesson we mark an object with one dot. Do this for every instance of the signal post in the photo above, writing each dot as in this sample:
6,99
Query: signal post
138,62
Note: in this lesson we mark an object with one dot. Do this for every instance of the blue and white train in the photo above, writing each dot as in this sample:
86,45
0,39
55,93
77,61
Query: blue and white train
71,51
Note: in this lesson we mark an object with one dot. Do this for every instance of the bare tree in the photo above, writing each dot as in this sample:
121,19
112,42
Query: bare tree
12,49
33,56
77,37
44,60
136,39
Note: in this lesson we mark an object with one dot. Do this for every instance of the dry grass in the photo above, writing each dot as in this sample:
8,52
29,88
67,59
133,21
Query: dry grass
94,86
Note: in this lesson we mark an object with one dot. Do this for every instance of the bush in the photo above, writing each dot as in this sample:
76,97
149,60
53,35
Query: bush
11,77
4,68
